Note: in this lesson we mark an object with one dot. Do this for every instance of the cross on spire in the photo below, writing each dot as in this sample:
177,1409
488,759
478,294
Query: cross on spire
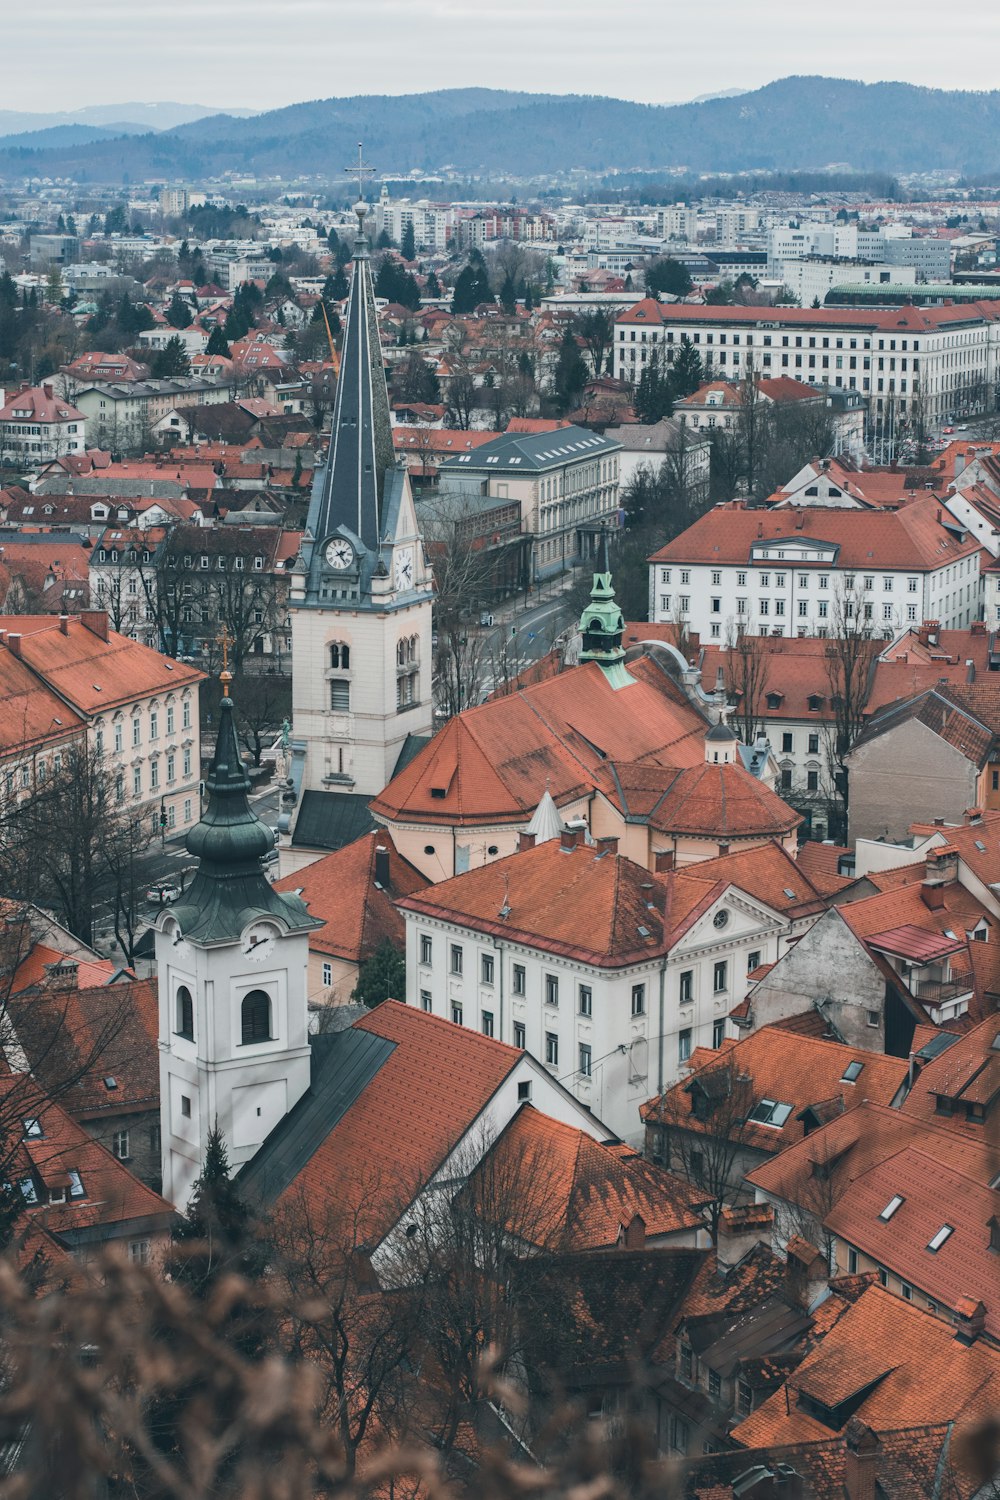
224,639
361,171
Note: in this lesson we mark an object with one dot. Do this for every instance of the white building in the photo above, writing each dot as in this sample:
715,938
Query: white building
36,426
784,573
948,356
611,975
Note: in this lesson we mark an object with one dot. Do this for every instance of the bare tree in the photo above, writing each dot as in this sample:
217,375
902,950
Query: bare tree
746,672
701,1129
850,661
464,567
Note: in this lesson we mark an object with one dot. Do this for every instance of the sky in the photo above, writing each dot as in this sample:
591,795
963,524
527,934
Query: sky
261,54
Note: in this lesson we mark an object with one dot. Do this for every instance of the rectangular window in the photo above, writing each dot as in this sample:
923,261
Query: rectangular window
456,1013
638,999
684,1045
744,1398
812,781
136,732
185,1107
585,1061
456,958
487,964
787,743
426,948
328,974
718,1032
586,1000
154,774
138,1252
687,986
426,1001
340,696
852,1262
487,1023
137,782
519,1034
518,979
551,989
120,1145
873,1018
721,976
186,715
714,1384
551,1049
154,725
814,744
119,739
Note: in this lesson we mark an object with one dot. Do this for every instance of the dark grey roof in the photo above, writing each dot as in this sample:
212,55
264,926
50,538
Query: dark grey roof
329,820
342,1064
532,451
361,449
720,732
412,746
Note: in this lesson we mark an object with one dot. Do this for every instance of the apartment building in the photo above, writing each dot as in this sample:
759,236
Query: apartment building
71,677
122,415
774,574
948,356
37,426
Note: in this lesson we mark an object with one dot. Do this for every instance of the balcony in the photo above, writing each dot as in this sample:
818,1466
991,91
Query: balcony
938,992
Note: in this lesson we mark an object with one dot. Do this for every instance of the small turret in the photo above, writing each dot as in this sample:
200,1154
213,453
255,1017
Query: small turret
602,625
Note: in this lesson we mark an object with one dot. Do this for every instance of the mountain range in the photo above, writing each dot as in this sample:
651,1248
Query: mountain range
99,121
792,124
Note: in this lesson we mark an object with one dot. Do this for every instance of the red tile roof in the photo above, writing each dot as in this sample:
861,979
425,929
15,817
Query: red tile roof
906,319
788,1068
910,538
92,673
967,1072
585,1193
917,1371
39,404
341,890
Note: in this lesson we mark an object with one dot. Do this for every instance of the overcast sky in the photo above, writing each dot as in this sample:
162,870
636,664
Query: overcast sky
264,53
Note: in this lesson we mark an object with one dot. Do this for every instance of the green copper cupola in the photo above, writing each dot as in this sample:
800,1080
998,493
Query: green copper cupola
602,625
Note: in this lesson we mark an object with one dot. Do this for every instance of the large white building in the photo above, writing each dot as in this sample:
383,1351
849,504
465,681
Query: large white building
948,356
802,570
37,426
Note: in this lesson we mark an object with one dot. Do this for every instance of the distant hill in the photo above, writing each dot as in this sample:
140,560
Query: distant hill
110,119
795,123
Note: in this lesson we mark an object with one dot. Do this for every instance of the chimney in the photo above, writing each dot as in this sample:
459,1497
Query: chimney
96,621
932,895
800,521
382,866
607,844
723,849
633,1235
14,643
64,624
62,975
860,1460
663,861
959,463
807,1274
571,837
740,1228
970,671
525,840
971,1319
48,391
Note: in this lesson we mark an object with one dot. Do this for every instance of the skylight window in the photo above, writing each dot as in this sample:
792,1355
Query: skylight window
944,1233
852,1072
896,1201
32,1129
770,1112
980,846
789,894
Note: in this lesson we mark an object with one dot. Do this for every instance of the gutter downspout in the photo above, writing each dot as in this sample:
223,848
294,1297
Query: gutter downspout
663,989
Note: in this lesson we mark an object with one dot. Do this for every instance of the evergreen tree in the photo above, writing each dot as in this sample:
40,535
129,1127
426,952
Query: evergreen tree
508,295
70,224
381,977
570,373
171,360
384,241
667,275
179,312
529,300
653,398
686,375
433,286
408,243
217,343
333,240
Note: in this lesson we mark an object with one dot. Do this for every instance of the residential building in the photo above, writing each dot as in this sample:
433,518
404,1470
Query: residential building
70,678
36,426
651,444
717,404
123,416
566,482
943,357
814,572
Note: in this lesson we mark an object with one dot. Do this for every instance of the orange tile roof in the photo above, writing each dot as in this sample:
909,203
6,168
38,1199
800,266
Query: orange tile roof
94,674
768,872
30,712
580,902
932,1196
819,862
442,1076
586,1193
908,319
969,1072
788,1068
341,891
919,1372
493,763
90,972
910,538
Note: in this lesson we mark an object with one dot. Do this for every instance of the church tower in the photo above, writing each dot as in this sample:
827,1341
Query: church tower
231,959
602,625
361,592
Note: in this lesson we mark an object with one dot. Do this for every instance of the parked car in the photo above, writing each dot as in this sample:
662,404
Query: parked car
163,895
271,857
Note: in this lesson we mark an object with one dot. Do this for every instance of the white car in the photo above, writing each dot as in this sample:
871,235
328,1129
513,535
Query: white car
163,895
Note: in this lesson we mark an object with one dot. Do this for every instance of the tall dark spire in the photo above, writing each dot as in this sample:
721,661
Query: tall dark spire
361,449
230,887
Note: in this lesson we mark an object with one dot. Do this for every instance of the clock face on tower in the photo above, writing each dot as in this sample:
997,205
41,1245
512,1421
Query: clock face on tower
339,553
257,943
403,568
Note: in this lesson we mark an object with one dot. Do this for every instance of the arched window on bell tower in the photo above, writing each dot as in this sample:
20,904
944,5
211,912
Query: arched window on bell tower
184,1013
255,1017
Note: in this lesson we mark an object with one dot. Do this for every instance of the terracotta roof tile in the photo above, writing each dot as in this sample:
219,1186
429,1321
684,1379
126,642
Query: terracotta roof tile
341,890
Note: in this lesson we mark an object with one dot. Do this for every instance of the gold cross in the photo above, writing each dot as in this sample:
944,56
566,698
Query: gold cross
225,676
361,171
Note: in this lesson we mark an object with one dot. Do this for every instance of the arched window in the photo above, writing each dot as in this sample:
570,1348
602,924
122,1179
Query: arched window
185,1013
255,1017
340,656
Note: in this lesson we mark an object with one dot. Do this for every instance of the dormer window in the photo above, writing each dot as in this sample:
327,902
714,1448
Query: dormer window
774,700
